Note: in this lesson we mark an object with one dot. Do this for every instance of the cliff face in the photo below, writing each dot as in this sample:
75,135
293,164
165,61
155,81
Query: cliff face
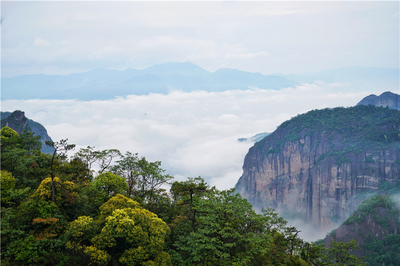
314,172
17,121
388,99
375,219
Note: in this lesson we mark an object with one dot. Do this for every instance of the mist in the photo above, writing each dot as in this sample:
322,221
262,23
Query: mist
193,134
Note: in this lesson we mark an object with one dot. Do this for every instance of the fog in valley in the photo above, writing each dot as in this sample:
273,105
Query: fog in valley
193,134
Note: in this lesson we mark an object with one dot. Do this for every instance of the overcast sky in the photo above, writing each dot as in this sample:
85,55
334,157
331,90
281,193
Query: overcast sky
265,37
192,133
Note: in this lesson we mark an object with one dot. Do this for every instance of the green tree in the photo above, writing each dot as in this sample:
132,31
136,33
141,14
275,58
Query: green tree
60,149
227,232
30,142
20,155
143,178
339,254
88,156
127,168
186,192
110,184
105,157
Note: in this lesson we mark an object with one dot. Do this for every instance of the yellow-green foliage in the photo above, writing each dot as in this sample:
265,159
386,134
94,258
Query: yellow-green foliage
127,229
79,231
9,138
143,232
7,133
64,191
98,256
7,185
115,203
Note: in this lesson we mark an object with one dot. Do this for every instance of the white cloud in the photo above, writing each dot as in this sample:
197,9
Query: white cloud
247,55
41,43
193,134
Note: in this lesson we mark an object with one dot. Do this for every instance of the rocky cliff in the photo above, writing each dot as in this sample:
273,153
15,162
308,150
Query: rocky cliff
386,99
317,166
375,220
17,121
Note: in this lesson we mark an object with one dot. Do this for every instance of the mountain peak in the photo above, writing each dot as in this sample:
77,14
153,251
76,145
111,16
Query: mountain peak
386,99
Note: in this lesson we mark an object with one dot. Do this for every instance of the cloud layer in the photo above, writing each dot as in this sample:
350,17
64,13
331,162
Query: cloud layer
193,134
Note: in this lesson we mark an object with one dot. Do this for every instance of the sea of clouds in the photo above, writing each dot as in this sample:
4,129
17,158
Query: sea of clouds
192,133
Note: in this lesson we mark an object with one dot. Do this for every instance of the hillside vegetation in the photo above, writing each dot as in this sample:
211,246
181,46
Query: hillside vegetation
360,125
375,226
57,211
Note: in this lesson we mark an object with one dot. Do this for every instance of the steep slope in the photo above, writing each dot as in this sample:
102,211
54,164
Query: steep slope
314,165
17,121
388,99
375,220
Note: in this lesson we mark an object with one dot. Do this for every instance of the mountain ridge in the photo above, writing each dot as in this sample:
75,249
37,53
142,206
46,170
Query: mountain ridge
104,84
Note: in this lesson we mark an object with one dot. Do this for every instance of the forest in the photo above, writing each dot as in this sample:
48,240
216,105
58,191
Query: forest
57,210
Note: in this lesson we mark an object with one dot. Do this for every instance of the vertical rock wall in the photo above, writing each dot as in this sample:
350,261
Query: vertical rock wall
298,179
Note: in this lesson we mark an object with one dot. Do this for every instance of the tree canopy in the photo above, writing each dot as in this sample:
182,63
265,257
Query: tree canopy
56,210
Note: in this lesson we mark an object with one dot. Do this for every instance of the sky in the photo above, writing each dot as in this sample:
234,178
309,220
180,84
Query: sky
193,134
263,36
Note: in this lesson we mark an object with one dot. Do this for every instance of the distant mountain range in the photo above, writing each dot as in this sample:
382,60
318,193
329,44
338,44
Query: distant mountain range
103,84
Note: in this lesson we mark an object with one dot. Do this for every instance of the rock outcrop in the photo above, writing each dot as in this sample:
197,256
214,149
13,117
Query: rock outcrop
18,122
314,165
386,99
375,219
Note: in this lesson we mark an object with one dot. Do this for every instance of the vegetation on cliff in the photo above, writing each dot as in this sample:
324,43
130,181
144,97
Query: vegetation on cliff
350,131
356,128
375,225
58,211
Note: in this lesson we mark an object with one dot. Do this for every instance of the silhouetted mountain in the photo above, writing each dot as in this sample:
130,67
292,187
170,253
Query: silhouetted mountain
102,84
